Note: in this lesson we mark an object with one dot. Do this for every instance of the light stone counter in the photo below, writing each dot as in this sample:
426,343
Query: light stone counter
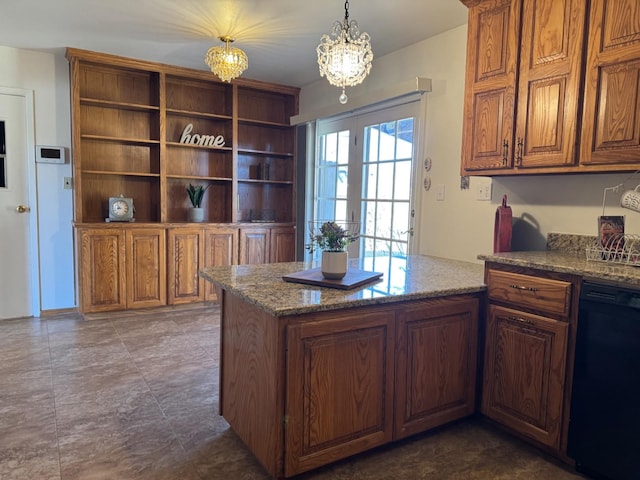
415,278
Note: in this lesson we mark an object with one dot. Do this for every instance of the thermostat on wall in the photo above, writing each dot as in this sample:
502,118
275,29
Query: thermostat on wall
48,154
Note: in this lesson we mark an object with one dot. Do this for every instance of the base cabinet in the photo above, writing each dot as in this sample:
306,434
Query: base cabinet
121,268
437,343
525,373
360,378
526,353
267,245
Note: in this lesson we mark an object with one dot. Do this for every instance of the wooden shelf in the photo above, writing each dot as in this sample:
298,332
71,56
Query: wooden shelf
263,123
190,113
94,102
252,180
201,147
132,141
265,152
128,174
196,177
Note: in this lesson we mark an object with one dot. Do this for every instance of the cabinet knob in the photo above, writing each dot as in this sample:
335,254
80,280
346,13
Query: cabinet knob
505,152
519,147
22,209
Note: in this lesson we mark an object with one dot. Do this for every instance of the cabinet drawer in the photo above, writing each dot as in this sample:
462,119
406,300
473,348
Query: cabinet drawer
544,294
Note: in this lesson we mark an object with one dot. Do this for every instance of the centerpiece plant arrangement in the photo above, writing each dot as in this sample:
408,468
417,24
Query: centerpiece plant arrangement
196,194
333,238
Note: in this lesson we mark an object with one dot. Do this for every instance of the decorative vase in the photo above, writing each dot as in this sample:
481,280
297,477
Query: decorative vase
334,265
196,214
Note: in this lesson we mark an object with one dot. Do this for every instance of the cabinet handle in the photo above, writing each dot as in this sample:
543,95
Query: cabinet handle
521,320
520,287
519,147
505,152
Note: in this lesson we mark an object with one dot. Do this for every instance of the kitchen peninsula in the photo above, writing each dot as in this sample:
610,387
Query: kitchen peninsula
310,375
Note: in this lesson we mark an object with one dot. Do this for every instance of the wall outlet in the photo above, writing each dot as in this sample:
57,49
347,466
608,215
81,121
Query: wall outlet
440,193
68,183
483,192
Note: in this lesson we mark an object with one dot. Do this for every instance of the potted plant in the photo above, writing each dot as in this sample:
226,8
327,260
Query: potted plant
333,238
196,193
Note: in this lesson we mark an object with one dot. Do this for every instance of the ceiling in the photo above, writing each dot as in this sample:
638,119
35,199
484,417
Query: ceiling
279,36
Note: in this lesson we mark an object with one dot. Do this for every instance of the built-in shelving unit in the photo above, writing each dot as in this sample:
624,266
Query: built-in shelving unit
146,131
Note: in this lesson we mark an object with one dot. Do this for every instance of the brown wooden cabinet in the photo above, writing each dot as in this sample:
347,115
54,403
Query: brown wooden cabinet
526,351
437,343
523,78
340,390
611,132
531,105
190,250
146,131
121,268
359,378
267,245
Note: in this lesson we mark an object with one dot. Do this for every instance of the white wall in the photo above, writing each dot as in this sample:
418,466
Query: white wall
48,77
460,226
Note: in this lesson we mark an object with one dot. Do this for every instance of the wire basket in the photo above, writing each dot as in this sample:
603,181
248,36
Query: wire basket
622,248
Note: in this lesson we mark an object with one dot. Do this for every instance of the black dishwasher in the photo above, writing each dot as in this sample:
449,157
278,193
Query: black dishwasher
604,428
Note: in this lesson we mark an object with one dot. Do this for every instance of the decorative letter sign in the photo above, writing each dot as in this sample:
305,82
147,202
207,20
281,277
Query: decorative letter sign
215,141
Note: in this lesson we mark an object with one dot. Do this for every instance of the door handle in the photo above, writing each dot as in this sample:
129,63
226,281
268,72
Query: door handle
22,209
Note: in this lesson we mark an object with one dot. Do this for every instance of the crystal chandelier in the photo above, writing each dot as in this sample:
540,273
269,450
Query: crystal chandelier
345,56
227,62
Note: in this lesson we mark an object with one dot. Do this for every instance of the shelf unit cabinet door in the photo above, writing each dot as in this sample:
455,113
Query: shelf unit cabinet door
490,85
524,373
220,248
186,257
254,246
549,83
611,124
339,388
436,363
283,244
146,268
102,270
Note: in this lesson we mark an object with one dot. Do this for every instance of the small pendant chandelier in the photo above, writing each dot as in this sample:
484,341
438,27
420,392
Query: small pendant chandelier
345,56
227,62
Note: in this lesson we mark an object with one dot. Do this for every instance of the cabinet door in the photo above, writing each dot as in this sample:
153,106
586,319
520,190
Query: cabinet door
611,124
339,388
186,257
490,88
524,373
220,248
549,83
146,268
283,244
102,270
436,364
254,245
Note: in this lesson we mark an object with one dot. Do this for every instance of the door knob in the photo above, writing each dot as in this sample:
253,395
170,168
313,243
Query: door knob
22,209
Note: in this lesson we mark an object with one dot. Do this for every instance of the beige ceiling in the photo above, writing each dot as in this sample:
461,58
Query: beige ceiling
279,36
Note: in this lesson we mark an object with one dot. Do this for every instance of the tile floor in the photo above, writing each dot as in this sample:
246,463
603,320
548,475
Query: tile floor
128,396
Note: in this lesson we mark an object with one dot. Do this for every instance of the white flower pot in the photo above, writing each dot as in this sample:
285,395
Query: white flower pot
196,214
334,265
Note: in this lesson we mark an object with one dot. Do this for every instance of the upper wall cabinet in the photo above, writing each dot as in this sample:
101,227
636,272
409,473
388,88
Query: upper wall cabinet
522,85
611,136
525,111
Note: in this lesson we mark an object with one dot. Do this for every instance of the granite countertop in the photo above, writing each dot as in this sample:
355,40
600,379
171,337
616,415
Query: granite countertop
413,278
569,262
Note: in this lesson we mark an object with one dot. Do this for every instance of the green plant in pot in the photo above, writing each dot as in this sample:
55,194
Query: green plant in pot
333,238
196,194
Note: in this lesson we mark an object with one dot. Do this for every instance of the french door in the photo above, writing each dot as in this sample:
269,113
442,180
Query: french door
364,172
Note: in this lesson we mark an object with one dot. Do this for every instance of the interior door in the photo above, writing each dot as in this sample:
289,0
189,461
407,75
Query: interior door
16,289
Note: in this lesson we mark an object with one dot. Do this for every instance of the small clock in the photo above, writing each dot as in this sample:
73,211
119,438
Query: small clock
120,209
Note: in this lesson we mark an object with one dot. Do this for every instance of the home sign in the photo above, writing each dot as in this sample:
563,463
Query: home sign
216,141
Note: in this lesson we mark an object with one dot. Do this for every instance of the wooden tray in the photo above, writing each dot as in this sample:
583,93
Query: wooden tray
354,278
